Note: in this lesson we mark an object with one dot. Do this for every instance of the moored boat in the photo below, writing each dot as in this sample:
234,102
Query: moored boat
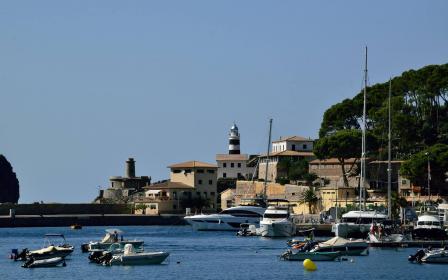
276,222
50,250
113,236
227,220
347,247
130,257
314,256
51,262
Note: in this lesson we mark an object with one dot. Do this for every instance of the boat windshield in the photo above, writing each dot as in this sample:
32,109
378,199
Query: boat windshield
361,220
275,216
428,223
240,213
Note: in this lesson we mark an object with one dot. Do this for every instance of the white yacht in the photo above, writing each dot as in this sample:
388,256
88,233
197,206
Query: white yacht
229,219
429,227
357,223
276,222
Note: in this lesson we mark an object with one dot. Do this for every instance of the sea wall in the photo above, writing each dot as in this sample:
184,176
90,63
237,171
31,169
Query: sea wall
63,208
88,220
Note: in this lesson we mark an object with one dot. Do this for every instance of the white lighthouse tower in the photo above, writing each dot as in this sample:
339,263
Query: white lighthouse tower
234,140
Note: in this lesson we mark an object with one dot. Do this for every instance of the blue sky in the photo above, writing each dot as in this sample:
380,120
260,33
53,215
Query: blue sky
86,84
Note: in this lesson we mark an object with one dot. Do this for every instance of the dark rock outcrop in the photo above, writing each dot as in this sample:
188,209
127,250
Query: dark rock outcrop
9,185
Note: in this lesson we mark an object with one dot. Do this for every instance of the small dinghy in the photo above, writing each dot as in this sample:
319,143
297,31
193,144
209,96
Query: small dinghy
32,263
130,257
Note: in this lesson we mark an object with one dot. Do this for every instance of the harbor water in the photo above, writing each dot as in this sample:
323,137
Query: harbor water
205,255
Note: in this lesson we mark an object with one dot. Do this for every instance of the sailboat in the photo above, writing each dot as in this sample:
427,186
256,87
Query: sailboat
358,223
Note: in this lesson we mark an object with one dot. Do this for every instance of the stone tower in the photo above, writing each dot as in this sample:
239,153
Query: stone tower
130,168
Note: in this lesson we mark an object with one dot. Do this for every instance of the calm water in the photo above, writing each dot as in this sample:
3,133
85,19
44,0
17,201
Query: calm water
205,255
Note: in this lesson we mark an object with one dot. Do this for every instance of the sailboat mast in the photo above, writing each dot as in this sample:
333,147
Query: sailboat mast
389,166
267,160
363,147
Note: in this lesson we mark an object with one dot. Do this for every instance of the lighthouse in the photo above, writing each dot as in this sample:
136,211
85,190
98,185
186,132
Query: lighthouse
234,140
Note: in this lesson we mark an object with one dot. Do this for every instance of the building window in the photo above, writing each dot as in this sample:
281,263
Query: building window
205,194
174,206
174,195
212,194
200,182
210,182
232,165
305,147
293,147
198,194
403,182
176,171
200,171
153,206
224,175
239,175
211,171
224,165
239,164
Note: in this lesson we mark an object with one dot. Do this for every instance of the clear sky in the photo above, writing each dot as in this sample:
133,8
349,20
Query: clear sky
86,84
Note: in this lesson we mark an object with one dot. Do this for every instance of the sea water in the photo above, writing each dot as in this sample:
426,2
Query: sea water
205,255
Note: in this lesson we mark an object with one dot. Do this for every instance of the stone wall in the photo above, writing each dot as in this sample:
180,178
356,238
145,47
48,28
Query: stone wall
58,209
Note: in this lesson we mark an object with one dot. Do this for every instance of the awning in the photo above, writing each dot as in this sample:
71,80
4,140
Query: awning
153,191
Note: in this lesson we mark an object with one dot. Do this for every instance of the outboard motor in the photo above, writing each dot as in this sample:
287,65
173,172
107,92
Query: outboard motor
417,256
95,256
85,247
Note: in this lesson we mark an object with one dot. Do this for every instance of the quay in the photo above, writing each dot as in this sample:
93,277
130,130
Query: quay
413,244
89,220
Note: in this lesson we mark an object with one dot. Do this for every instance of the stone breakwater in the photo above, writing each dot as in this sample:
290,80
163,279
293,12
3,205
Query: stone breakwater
88,220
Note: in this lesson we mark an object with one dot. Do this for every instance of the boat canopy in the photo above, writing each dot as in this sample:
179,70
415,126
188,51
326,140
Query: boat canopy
364,214
114,230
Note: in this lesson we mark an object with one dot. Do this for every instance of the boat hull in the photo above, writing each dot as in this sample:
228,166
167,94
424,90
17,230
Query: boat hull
58,253
45,263
277,229
436,257
140,259
314,256
216,223
105,246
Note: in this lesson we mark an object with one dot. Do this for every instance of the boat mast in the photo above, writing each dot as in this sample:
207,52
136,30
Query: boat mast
363,147
267,160
389,166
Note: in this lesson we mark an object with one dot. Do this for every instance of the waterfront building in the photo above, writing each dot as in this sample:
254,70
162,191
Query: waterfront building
122,187
286,149
192,184
329,171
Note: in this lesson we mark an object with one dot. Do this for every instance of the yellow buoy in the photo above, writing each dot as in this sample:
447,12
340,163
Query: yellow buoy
309,265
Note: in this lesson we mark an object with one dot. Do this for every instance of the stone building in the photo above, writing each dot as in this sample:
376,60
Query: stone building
189,181
122,188
290,149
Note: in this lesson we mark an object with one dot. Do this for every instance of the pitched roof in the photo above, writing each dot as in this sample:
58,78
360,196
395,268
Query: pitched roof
232,157
289,153
192,164
168,185
292,138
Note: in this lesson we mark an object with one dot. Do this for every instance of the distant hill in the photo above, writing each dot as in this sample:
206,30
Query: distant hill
9,184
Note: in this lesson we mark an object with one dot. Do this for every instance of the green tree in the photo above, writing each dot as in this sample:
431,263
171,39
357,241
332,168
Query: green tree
343,144
310,198
416,168
397,203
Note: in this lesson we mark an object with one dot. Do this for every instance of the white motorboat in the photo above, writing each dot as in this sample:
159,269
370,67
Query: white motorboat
112,237
130,257
436,256
276,222
51,262
348,247
229,219
429,227
357,223
430,256
50,250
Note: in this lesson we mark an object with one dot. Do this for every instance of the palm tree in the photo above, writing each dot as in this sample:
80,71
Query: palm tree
309,197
